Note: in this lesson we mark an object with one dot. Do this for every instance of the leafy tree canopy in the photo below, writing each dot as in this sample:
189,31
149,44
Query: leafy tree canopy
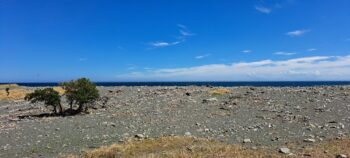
49,96
81,92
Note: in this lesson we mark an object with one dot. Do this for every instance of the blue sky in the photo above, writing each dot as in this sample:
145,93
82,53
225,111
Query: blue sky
178,40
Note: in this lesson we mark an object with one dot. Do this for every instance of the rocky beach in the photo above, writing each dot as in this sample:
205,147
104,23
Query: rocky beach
283,120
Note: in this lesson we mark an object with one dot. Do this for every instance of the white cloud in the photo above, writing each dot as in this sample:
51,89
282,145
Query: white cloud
202,56
297,33
285,53
246,51
307,68
184,31
159,44
184,34
267,7
262,9
311,49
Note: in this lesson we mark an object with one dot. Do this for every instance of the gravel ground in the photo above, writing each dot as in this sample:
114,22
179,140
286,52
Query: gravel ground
256,117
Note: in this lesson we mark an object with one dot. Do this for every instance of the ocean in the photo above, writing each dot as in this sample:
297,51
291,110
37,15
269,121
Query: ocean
223,84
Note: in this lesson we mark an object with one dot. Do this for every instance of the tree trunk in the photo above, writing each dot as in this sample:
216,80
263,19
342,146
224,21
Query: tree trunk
54,110
61,108
71,105
80,108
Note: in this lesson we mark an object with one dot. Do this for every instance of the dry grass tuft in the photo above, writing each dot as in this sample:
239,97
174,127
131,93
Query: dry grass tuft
60,90
18,93
171,147
14,94
329,149
3,86
220,91
189,147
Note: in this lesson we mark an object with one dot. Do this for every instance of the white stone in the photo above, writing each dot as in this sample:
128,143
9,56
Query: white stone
309,140
188,134
285,150
247,140
140,136
341,156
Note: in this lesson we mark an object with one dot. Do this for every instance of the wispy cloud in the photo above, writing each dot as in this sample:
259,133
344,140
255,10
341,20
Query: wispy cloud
184,34
263,9
246,51
184,31
284,53
267,7
202,56
159,44
311,49
306,68
297,33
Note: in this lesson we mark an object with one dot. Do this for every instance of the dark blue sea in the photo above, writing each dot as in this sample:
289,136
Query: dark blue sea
224,84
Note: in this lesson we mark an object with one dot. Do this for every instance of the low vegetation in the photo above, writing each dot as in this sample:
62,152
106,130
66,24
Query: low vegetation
171,147
80,92
189,147
332,148
2,86
13,94
8,91
50,97
60,90
219,91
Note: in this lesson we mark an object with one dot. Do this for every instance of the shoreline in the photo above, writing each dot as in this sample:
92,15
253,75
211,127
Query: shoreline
205,83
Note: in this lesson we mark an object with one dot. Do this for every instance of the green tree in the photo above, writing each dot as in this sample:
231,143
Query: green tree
81,92
49,96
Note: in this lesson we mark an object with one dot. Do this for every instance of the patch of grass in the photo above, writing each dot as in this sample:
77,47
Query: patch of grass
329,149
60,90
18,93
3,86
171,147
38,149
220,91
189,147
14,94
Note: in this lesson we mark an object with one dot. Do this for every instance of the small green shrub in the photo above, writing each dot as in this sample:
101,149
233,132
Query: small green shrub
49,96
8,91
